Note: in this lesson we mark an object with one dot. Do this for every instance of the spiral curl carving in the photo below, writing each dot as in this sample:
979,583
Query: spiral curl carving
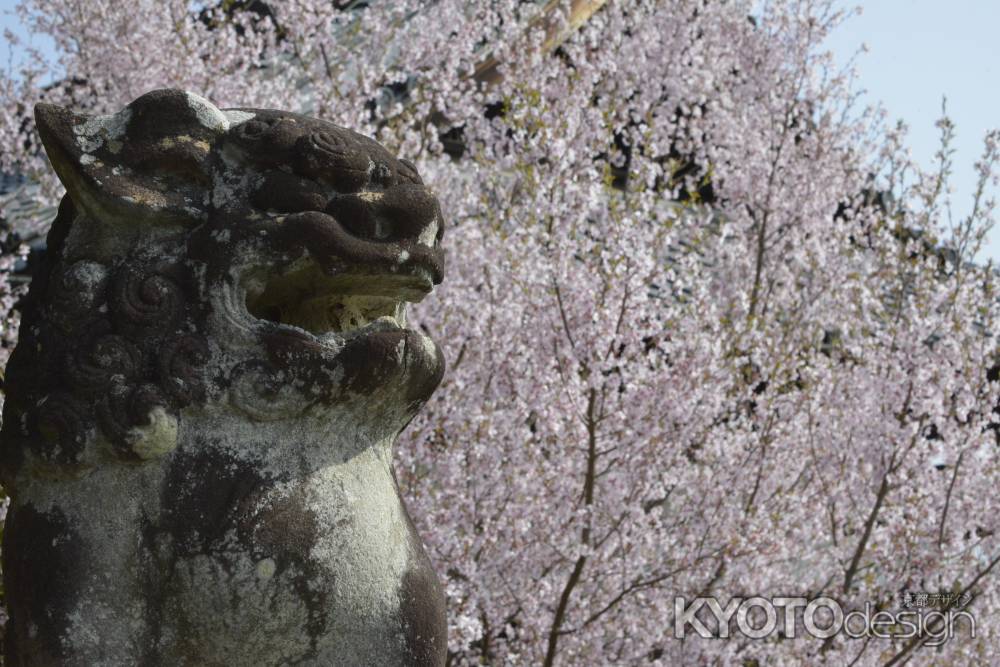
263,392
178,367
126,408
145,303
64,423
76,294
92,369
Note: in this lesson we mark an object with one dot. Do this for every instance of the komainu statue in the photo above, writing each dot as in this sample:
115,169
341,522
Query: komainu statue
212,370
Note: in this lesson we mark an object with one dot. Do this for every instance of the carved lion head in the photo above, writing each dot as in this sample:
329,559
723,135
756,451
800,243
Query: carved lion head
243,261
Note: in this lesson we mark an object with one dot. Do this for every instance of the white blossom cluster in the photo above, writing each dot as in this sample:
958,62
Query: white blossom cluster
689,354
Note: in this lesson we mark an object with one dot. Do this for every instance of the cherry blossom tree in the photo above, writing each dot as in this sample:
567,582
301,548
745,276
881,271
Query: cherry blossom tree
710,330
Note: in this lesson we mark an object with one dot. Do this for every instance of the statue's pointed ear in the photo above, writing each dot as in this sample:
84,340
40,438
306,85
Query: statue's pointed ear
150,161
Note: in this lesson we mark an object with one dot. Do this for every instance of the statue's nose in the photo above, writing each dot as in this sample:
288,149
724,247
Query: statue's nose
405,213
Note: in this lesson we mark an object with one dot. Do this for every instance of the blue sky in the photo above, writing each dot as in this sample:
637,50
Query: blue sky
918,51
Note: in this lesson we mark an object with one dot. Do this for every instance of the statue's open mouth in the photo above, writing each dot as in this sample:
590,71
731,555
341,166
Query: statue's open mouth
346,305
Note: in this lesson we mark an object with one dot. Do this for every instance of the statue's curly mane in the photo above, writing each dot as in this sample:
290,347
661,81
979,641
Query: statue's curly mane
105,347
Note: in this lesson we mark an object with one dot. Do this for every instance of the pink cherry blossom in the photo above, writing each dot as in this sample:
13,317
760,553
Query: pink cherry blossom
710,330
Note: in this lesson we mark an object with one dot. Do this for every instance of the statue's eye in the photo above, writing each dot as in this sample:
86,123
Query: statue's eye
408,172
252,129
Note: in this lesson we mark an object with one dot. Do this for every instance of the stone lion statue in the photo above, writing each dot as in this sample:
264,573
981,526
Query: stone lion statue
212,370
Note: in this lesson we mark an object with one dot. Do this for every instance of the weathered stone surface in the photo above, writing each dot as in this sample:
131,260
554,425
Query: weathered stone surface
212,370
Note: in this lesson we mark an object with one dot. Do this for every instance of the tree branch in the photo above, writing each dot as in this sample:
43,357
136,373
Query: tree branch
883,490
588,500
